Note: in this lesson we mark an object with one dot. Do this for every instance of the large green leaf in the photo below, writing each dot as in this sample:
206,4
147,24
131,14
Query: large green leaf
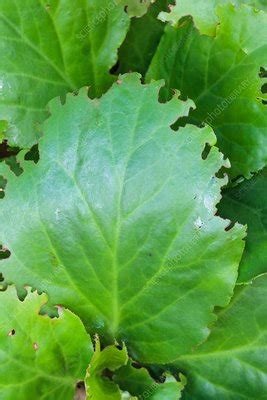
247,204
49,48
99,387
142,40
232,363
205,12
221,75
116,221
39,357
138,382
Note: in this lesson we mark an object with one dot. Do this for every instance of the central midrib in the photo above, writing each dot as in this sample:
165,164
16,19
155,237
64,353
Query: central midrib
115,264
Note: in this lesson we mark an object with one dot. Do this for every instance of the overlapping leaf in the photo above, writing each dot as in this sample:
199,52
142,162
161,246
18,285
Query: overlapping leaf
138,382
142,40
49,48
247,204
221,75
99,387
232,363
116,221
204,13
39,357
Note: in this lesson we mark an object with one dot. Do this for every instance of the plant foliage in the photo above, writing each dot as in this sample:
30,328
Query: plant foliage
38,355
134,137
222,75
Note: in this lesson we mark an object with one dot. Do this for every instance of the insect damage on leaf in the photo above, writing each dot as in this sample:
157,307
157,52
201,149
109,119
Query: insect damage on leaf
38,356
127,186
204,13
50,49
232,362
222,75
246,203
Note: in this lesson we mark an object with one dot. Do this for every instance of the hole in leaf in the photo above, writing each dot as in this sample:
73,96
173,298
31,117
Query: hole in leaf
229,226
263,73
3,183
206,151
80,385
7,151
136,365
33,154
80,393
162,378
4,253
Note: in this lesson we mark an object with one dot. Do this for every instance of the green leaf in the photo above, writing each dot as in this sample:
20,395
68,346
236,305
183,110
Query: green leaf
99,387
138,382
133,381
204,13
142,40
116,221
246,203
49,48
221,75
39,358
232,363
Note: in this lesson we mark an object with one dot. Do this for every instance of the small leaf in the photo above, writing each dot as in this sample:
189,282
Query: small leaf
39,358
138,382
99,387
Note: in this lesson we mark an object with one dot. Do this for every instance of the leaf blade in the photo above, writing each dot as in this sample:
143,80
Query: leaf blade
37,354
221,75
109,229
232,361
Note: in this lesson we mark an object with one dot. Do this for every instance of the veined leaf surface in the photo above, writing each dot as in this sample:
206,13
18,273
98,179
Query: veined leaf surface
221,75
116,221
39,358
204,13
232,363
110,358
49,48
